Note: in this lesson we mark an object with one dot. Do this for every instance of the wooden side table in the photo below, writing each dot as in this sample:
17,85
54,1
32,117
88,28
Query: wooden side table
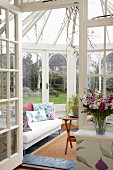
70,138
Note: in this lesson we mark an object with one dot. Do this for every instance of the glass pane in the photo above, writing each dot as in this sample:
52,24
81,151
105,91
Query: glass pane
109,37
109,84
57,78
32,77
13,113
109,7
11,1
3,55
3,85
95,38
12,56
109,62
12,84
95,63
95,8
2,23
3,146
95,83
3,116
13,141
12,26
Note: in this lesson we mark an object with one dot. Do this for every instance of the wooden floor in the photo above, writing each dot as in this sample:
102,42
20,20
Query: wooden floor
31,167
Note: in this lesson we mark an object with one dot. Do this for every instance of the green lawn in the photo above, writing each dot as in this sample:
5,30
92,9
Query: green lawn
61,99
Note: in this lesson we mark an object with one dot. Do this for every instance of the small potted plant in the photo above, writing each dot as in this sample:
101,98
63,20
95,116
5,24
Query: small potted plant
72,106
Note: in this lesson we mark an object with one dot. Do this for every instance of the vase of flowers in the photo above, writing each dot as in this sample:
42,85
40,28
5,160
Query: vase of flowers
98,105
100,125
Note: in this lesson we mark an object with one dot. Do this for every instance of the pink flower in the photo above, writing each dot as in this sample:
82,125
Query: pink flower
102,106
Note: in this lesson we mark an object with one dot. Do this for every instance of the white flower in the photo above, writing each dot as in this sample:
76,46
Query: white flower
84,101
95,105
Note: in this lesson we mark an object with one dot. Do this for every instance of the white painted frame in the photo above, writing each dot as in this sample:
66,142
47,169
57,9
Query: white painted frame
84,24
14,160
71,80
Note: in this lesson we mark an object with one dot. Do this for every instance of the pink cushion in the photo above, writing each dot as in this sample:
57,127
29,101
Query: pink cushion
28,106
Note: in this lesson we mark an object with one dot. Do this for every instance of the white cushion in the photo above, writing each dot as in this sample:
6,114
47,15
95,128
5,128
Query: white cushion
40,128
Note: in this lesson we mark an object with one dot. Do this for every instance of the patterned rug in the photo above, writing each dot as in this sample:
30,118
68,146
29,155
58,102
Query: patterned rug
49,162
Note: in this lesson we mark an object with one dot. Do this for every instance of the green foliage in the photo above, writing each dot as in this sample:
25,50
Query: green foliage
32,99
61,99
72,104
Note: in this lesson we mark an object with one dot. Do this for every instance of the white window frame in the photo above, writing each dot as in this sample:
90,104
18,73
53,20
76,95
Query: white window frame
83,124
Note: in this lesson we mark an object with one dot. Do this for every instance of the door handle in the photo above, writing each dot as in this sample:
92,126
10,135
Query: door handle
47,85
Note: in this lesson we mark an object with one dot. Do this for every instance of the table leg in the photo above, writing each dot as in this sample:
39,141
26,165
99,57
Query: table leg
68,135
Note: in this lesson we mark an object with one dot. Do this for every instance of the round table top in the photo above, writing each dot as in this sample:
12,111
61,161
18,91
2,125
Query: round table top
68,118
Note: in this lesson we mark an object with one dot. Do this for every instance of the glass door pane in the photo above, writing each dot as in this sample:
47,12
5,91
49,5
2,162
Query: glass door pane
58,78
32,77
3,146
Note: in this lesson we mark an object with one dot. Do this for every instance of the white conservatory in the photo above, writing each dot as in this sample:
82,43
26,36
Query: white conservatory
49,51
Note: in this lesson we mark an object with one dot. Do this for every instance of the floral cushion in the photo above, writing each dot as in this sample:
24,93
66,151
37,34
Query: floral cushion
41,115
32,116
12,112
26,126
50,111
48,107
35,116
38,106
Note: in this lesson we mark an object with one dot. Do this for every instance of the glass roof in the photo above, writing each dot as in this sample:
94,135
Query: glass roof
58,26
50,27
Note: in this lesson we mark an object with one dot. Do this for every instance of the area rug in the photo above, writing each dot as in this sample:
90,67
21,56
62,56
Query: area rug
49,162
56,149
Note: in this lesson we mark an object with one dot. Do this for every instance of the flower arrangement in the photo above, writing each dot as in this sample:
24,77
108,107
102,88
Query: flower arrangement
97,104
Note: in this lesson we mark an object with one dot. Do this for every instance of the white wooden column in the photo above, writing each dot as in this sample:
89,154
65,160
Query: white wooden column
71,74
45,77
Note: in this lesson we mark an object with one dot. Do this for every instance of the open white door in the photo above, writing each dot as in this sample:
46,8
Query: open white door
11,137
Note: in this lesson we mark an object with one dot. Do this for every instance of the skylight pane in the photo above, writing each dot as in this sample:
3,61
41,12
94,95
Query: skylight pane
109,37
95,8
110,7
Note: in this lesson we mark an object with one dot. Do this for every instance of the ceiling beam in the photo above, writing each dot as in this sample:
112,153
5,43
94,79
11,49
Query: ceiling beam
25,31
60,31
43,26
3,29
17,3
31,16
7,5
41,5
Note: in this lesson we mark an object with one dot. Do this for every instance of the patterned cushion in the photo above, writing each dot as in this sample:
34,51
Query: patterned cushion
41,115
38,106
34,116
12,112
26,127
49,109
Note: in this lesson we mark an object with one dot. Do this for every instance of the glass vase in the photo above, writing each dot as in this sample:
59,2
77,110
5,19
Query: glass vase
100,125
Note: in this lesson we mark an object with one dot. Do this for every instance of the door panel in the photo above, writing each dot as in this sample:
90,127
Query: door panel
11,137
